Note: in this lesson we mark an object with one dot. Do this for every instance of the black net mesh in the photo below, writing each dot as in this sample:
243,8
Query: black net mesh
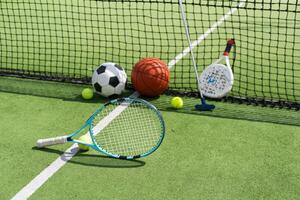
65,40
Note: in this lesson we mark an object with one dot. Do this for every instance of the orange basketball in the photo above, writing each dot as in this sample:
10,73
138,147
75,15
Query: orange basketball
150,77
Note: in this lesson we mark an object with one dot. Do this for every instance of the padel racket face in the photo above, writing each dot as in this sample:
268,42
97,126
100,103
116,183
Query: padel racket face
216,81
136,130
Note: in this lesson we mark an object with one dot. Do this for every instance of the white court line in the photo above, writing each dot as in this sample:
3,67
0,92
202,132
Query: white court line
203,36
40,179
49,171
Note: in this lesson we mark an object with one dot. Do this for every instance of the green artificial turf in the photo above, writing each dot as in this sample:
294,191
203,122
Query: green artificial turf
25,119
202,156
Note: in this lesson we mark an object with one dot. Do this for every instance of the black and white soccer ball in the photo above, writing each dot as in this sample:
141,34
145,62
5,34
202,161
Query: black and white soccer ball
109,79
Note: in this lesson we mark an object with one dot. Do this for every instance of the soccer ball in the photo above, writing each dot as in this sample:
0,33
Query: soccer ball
109,79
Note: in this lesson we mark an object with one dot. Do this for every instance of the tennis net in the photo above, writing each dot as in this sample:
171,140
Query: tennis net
64,40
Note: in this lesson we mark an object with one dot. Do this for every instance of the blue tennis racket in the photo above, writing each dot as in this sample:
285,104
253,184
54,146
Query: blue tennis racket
125,128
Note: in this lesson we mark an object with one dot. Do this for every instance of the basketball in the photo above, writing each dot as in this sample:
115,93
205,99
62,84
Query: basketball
150,77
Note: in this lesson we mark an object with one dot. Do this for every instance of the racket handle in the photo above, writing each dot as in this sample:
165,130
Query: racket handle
51,141
230,43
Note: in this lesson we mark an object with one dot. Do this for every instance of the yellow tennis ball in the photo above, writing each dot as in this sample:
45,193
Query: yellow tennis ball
177,102
87,93
87,139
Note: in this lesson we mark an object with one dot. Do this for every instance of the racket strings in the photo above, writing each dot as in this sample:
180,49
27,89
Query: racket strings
137,141
136,130
129,139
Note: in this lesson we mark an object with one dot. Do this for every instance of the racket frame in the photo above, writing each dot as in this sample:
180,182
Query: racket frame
96,146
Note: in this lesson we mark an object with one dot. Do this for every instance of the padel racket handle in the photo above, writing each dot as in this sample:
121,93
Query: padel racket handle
230,43
51,141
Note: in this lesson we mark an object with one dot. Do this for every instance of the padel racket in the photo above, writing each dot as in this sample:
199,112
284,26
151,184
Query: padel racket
125,128
217,79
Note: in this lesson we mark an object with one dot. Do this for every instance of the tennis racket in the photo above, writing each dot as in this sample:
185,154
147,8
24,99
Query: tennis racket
217,79
125,128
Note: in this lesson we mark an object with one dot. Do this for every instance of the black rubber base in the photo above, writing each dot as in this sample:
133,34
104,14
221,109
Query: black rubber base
205,107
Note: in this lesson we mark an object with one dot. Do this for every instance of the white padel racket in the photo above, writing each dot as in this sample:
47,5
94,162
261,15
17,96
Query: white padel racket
217,79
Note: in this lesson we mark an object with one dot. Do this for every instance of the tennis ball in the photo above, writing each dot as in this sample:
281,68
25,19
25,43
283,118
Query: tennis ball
87,139
177,102
87,93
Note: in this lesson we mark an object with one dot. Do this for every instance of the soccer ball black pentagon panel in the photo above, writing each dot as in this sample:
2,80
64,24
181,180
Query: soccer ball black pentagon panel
109,79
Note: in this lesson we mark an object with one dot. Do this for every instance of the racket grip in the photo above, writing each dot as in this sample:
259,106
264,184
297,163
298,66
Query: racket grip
51,141
230,43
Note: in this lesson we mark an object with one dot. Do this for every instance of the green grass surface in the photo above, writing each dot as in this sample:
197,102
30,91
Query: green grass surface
203,156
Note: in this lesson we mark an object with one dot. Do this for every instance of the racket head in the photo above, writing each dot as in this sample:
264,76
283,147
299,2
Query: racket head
135,128
216,80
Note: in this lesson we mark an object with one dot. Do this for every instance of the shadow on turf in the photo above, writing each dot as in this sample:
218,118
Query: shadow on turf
48,89
234,111
71,92
94,160
51,89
